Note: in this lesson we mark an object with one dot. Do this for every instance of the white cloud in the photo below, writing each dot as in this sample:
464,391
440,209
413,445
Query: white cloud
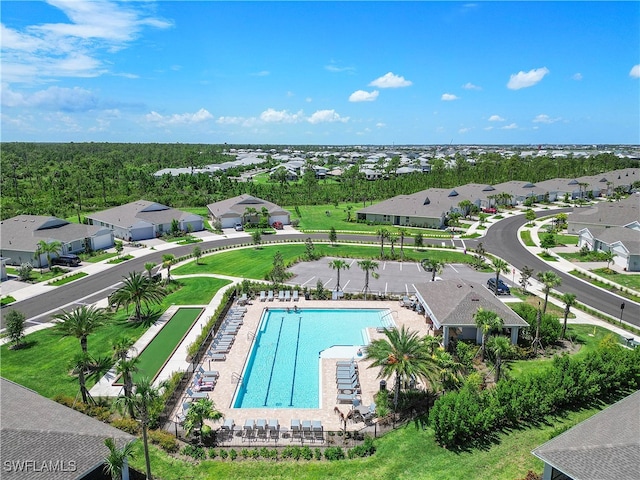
381,125
496,118
471,86
527,79
542,118
390,80
363,96
332,67
326,116
635,71
53,98
271,115
308,99
488,129
465,130
576,76
448,97
201,115
511,126
262,73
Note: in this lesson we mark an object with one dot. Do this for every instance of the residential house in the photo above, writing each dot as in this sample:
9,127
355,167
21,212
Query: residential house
234,210
42,439
605,446
623,213
142,220
450,306
21,235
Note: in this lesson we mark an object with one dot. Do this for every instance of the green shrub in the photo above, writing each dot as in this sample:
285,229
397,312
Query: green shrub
223,454
365,450
334,453
233,454
244,453
164,439
101,413
213,453
127,424
195,452
306,453
65,400
254,453
317,453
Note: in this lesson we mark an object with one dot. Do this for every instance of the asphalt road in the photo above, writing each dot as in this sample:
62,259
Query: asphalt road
501,240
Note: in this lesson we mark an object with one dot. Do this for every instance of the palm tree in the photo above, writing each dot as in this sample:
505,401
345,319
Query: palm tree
433,265
80,323
116,461
569,300
549,280
403,354
402,233
48,249
203,409
338,265
487,321
500,347
148,266
608,257
145,397
137,289
382,234
393,238
525,275
449,371
168,259
368,266
499,266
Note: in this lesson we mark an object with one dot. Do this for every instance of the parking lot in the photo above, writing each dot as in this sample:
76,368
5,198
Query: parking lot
394,277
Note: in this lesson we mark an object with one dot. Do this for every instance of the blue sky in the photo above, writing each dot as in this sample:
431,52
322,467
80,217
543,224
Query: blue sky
321,72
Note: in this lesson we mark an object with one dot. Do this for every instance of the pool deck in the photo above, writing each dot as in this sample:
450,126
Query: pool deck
231,368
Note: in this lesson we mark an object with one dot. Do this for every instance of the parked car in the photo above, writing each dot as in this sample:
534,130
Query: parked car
238,227
490,210
68,260
503,288
277,225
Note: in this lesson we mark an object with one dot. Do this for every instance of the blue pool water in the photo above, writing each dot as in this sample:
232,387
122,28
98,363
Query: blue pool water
282,368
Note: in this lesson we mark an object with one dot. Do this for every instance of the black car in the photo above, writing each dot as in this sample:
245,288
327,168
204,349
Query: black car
68,260
503,288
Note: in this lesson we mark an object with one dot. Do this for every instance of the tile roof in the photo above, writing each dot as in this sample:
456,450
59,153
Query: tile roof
36,429
236,206
620,213
603,447
129,214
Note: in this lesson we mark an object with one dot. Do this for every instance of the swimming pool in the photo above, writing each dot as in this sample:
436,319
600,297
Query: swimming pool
282,368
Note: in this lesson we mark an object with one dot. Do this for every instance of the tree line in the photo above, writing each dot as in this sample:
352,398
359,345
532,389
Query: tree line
70,179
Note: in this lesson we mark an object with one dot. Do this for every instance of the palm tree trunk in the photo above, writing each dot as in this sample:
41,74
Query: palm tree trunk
81,381
564,325
546,300
396,394
145,443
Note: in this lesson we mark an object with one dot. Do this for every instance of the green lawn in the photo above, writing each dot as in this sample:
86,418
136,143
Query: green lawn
65,280
629,280
256,263
40,275
525,235
567,239
153,357
407,453
98,257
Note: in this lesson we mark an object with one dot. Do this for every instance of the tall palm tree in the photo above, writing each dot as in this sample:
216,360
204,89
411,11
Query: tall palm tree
168,259
116,461
382,234
368,266
569,300
148,266
203,409
608,257
48,249
338,265
402,233
137,289
434,265
80,323
404,354
549,280
393,238
487,321
500,347
499,266
145,397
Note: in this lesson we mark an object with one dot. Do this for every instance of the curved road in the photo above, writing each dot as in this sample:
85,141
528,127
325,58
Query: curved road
501,239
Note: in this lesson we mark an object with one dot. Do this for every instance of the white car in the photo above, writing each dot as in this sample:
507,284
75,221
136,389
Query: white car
238,227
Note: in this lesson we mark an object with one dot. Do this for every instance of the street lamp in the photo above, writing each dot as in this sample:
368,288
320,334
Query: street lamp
621,311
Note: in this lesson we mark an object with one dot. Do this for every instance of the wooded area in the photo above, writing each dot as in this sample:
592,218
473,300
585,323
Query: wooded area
69,179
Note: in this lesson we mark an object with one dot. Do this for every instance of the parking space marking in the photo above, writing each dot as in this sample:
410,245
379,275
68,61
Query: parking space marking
303,284
453,268
345,285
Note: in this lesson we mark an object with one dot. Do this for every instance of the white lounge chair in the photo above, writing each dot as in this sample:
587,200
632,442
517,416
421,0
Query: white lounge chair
196,395
295,296
274,429
248,431
243,299
296,430
218,357
281,295
346,398
263,296
307,433
318,431
208,373
261,429
270,296
287,295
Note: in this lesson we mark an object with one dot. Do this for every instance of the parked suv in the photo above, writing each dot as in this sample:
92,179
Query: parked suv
68,260
277,225
238,227
503,288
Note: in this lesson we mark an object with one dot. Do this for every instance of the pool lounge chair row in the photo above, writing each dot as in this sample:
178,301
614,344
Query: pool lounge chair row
257,429
309,430
283,296
347,382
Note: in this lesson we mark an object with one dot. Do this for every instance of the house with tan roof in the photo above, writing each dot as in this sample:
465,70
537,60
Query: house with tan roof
142,220
21,235
450,306
246,208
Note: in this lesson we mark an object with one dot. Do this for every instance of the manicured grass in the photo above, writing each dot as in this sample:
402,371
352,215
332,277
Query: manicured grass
257,263
315,218
70,278
612,288
533,300
153,357
547,257
587,336
7,300
629,280
525,235
37,276
99,257
562,239
407,453
194,291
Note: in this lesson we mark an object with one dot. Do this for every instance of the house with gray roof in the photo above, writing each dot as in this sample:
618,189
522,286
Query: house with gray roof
623,213
21,235
234,210
450,305
42,439
605,446
142,220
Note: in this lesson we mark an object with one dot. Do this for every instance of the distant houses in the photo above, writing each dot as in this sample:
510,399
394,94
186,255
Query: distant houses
21,235
246,209
142,220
